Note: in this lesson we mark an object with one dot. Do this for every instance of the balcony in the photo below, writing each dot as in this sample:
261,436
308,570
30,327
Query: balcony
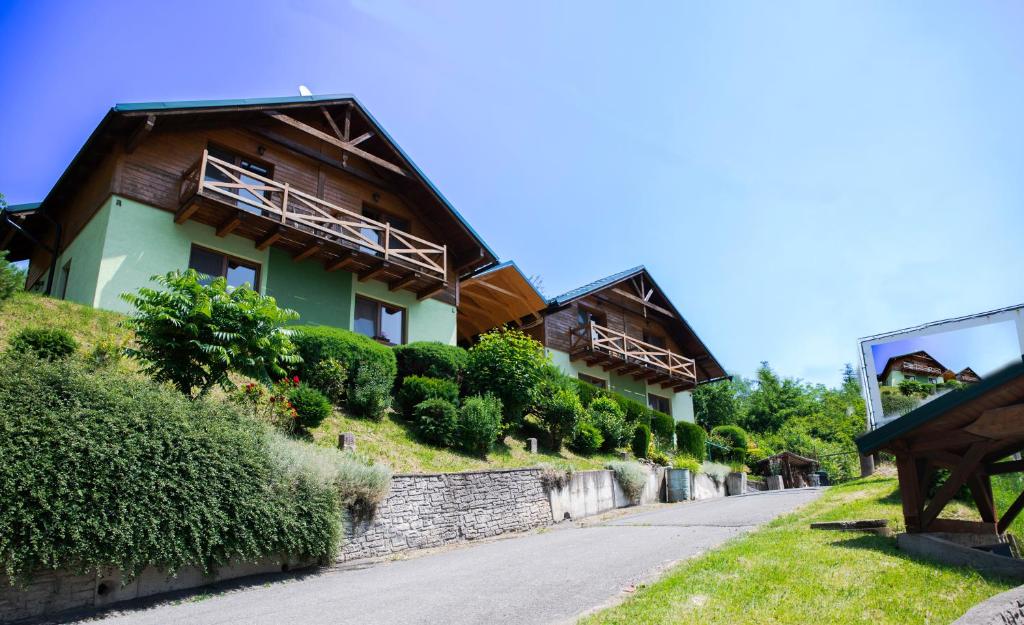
236,200
916,367
625,355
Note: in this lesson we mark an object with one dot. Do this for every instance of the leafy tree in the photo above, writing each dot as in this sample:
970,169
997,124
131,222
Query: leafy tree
508,364
717,404
11,278
773,401
193,335
560,412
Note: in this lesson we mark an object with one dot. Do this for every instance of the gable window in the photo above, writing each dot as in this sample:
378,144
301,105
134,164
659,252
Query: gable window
213,264
251,168
589,379
377,236
379,321
659,403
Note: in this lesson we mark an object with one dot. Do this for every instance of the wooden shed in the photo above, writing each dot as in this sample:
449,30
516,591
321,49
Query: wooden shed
794,469
972,433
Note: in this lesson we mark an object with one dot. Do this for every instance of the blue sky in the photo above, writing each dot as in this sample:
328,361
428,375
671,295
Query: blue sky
795,175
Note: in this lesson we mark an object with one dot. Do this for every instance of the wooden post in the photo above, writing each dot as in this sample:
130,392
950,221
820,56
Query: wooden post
284,202
387,239
910,489
202,172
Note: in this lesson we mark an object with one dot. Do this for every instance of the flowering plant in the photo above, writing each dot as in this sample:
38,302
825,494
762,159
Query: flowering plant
270,405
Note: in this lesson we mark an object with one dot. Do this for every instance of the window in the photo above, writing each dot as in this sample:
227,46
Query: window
397,223
379,321
655,339
589,379
659,403
247,164
216,265
585,315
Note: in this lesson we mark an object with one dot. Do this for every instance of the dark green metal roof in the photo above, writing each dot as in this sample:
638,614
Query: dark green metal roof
22,208
596,285
134,107
896,428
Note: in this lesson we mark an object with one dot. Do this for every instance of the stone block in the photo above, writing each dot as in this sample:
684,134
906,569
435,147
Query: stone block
347,441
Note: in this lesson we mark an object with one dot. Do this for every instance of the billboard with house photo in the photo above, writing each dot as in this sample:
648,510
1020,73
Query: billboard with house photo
905,369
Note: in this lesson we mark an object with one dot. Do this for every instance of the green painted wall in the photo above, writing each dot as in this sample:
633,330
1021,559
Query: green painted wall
143,241
320,297
428,320
682,403
85,254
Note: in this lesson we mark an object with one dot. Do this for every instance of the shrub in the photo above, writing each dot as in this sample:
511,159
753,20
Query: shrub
658,457
103,469
686,462
370,394
437,421
431,360
315,343
310,405
270,406
552,477
636,412
587,391
898,404
586,438
632,477
691,440
329,377
913,388
610,420
479,424
736,439
662,427
508,364
45,343
716,471
559,412
193,335
641,441
11,278
106,353
416,389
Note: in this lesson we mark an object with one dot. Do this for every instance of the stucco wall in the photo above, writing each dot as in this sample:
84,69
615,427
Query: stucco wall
85,254
320,297
682,403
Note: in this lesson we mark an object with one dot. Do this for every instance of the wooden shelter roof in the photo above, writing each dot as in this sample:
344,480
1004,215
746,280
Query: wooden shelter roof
494,297
794,459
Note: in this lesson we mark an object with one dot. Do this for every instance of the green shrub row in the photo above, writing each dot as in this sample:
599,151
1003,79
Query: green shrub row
430,360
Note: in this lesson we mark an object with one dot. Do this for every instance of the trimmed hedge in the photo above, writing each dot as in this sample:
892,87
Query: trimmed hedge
636,413
437,421
662,427
641,441
104,469
47,343
736,438
430,360
479,424
416,389
606,415
691,440
311,406
586,439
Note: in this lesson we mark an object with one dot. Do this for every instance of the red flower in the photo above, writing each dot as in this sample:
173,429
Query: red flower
295,379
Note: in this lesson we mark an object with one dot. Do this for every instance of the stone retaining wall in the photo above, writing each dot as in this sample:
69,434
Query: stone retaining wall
433,510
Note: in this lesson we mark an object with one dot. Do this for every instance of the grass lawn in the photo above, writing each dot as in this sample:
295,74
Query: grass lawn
88,325
390,442
787,573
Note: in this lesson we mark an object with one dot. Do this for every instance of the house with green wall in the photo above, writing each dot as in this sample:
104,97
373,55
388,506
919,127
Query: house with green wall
305,198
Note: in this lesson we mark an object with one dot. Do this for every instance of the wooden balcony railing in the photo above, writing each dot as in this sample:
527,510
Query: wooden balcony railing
916,366
283,202
602,342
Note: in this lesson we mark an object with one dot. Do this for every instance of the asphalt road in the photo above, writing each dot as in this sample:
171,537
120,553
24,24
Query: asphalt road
550,576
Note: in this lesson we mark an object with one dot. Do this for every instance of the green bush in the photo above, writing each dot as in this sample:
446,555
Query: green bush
586,438
559,411
193,335
610,420
430,360
641,441
686,462
508,364
898,404
11,278
370,393
46,343
636,412
416,389
437,421
106,353
315,343
632,477
736,439
103,469
587,391
913,388
311,406
479,424
330,378
662,427
691,440
658,457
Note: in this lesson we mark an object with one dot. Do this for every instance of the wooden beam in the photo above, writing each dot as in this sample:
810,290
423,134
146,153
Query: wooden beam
431,291
999,468
645,303
309,251
968,465
911,492
140,134
361,138
942,440
185,212
345,260
270,238
1010,514
310,153
981,492
330,122
959,526
229,225
344,145
404,281
997,423
373,271
493,287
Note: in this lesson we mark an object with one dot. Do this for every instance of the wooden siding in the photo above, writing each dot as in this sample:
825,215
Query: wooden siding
620,314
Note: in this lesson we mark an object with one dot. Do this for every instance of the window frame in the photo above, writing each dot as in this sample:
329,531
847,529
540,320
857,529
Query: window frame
381,304
668,403
225,259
